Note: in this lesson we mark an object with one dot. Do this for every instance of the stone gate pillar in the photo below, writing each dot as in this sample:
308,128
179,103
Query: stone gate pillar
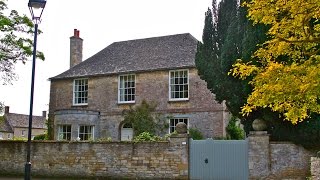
259,154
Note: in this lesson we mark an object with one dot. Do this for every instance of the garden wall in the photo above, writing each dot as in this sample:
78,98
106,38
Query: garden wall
315,167
277,160
267,160
114,159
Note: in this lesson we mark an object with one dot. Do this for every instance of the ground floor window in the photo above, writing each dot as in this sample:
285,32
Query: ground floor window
64,132
86,132
174,121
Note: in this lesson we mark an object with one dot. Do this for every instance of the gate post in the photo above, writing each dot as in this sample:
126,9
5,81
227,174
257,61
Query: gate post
180,142
259,154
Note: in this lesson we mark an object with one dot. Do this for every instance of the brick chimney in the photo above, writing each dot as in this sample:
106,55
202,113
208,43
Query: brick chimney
44,114
75,48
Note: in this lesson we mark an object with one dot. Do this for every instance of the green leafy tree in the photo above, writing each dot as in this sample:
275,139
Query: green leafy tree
16,43
285,76
234,92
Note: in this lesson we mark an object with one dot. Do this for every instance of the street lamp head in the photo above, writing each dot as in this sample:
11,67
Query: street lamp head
36,8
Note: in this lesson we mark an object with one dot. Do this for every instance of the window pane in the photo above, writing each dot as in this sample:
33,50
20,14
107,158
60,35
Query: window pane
126,88
179,84
86,132
80,91
64,132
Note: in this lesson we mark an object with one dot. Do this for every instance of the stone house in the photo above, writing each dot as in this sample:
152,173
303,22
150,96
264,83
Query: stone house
16,125
87,101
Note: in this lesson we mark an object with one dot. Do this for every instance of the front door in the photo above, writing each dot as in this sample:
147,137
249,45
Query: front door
126,132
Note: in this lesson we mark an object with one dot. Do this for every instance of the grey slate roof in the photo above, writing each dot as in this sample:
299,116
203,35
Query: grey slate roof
5,126
21,120
157,53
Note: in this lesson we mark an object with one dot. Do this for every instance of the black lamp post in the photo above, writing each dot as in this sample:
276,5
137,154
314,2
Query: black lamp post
36,8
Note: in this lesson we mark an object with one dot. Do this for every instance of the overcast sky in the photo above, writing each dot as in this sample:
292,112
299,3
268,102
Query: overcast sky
101,22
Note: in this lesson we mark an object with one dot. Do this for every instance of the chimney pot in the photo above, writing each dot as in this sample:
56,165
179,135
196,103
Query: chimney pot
75,32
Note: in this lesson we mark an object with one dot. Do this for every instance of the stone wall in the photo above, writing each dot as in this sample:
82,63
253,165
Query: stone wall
114,159
315,168
276,160
267,160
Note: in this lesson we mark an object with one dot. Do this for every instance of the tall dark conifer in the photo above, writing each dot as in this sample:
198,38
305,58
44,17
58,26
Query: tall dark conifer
206,55
226,28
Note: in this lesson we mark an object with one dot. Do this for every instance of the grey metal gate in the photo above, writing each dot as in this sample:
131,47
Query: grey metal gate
219,159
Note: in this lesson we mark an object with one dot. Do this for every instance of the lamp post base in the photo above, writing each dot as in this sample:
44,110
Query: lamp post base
27,172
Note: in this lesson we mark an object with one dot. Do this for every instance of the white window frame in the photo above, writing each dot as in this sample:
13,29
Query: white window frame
179,119
9,136
64,133
75,91
170,89
121,88
92,132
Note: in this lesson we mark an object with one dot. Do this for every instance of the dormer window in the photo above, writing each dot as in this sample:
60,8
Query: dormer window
179,85
80,92
127,88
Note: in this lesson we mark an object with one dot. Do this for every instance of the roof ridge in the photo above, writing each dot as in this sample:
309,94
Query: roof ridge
153,37
24,114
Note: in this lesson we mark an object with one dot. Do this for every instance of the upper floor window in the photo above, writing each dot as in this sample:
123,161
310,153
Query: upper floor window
127,88
80,92
174,121
179,85
64,132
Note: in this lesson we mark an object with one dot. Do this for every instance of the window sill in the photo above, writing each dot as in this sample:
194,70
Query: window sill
79,105
178,100
126,103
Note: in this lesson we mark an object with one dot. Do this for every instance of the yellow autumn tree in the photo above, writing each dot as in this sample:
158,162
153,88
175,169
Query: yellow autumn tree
286,69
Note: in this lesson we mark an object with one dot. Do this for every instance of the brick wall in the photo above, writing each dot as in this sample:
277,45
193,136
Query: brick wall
202,110
79,159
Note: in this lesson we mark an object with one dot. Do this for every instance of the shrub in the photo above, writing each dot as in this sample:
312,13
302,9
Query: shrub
41,137
233,130
107,139
144,119
147,137
195,134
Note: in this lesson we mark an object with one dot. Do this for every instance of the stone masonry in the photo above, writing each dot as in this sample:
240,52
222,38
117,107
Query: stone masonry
276,160
315,168
106,160
155,160
202,110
